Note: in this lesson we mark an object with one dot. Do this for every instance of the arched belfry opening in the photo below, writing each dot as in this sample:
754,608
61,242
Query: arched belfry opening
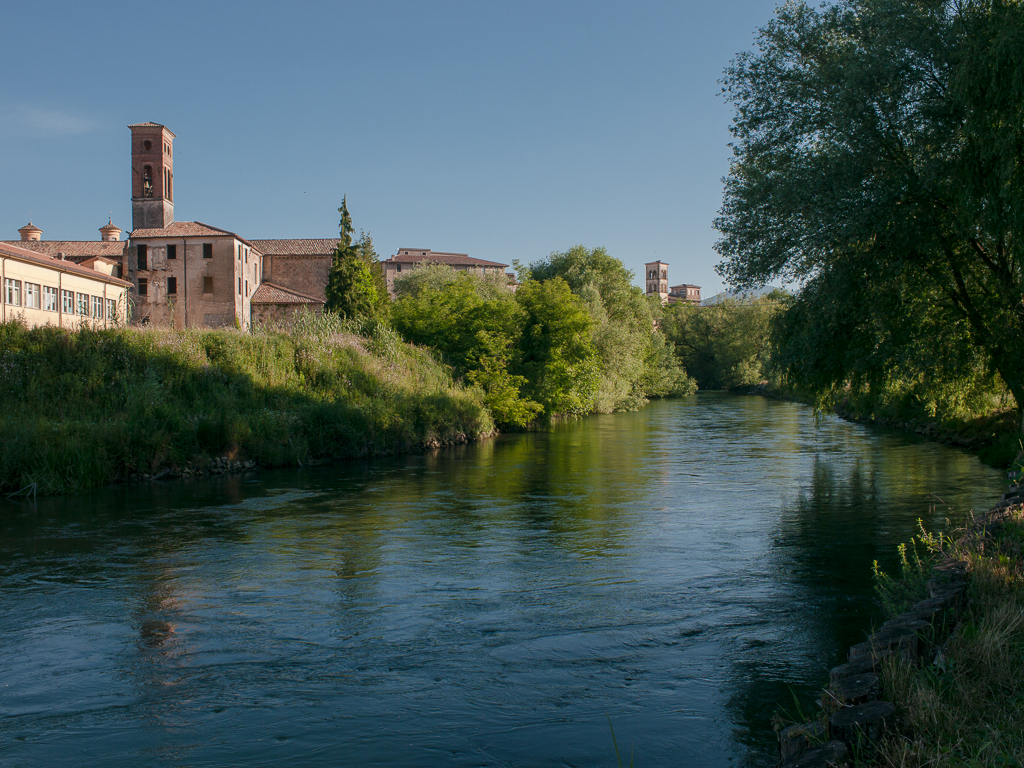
152,172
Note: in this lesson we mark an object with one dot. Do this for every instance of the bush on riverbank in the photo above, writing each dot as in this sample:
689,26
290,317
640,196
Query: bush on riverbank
86,408
968,708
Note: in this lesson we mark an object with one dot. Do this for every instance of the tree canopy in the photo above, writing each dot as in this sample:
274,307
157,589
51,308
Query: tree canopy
636,362
878,161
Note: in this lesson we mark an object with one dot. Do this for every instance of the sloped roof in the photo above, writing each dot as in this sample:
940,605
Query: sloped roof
268,293
76,249
24,254
187,229
419,255
296,247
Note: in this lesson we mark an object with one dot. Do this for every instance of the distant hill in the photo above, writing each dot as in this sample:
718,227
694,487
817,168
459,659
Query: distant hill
753,293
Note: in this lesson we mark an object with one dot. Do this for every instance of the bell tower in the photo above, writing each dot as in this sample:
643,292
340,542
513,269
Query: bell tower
152,176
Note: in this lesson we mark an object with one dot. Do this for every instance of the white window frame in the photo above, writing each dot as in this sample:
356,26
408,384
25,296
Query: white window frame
97,307
12,292
33,300
111,309
49,298
83,304
67,301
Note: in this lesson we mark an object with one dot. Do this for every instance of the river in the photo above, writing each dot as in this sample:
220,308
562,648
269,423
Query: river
672,571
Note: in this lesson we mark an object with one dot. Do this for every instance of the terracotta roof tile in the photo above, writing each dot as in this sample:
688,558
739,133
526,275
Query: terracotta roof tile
73,249
24,254
268,293
298,247
187,229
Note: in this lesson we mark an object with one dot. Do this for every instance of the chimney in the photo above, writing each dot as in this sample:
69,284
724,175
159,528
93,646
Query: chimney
30,232
110,233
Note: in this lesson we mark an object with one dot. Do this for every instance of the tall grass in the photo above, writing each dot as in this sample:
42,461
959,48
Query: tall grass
967,709
86,408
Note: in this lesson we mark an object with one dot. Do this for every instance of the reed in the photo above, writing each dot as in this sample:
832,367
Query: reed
82,409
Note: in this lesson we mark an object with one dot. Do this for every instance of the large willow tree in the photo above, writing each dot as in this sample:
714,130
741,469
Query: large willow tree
878,162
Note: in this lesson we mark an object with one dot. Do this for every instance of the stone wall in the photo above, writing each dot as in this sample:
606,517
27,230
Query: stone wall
304,274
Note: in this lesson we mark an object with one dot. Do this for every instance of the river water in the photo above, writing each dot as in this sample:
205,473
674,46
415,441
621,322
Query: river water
672,571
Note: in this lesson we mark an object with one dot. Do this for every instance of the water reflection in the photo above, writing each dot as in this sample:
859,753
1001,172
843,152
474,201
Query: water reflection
674,569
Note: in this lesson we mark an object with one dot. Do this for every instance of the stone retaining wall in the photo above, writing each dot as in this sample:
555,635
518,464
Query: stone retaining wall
915,637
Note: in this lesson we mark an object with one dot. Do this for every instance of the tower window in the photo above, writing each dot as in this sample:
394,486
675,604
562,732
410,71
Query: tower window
147,145
147,181
172,251
143,256
207,250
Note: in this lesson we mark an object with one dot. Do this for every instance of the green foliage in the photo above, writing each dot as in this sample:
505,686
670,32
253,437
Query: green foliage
878,159
557,358
632,352
967,708
436,277
476,325
727,344
86,408
354,289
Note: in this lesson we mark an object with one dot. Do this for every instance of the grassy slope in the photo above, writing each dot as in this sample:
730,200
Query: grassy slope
84,409
967,709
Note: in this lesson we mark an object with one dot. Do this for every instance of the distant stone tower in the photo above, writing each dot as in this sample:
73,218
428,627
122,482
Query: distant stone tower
152,176
657,279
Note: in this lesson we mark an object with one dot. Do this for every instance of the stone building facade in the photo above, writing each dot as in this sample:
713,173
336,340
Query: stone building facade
189,274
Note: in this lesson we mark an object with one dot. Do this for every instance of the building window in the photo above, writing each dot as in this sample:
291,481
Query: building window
83,304
239,251
207,285
12,292
147,181
143,251
172,286
49,298
143,286
246,255
239,286
67,302
111,309
172,251
33,295
399,267
207,250
246,288
97,307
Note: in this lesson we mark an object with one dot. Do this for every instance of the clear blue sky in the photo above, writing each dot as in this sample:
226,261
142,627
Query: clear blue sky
503,130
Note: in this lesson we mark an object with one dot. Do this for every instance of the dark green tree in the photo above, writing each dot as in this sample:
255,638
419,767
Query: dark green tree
557,358
879,156
630,349
474,327
352,290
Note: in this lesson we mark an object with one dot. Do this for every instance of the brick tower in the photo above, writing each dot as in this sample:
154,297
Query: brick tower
152,176
657,279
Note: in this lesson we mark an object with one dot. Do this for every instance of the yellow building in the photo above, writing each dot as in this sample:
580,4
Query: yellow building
42,290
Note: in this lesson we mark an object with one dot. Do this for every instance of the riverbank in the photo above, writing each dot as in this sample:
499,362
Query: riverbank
89,408
941,682
964,704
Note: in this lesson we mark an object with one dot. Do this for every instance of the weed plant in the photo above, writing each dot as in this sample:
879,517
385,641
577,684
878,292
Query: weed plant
966,709
86,408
